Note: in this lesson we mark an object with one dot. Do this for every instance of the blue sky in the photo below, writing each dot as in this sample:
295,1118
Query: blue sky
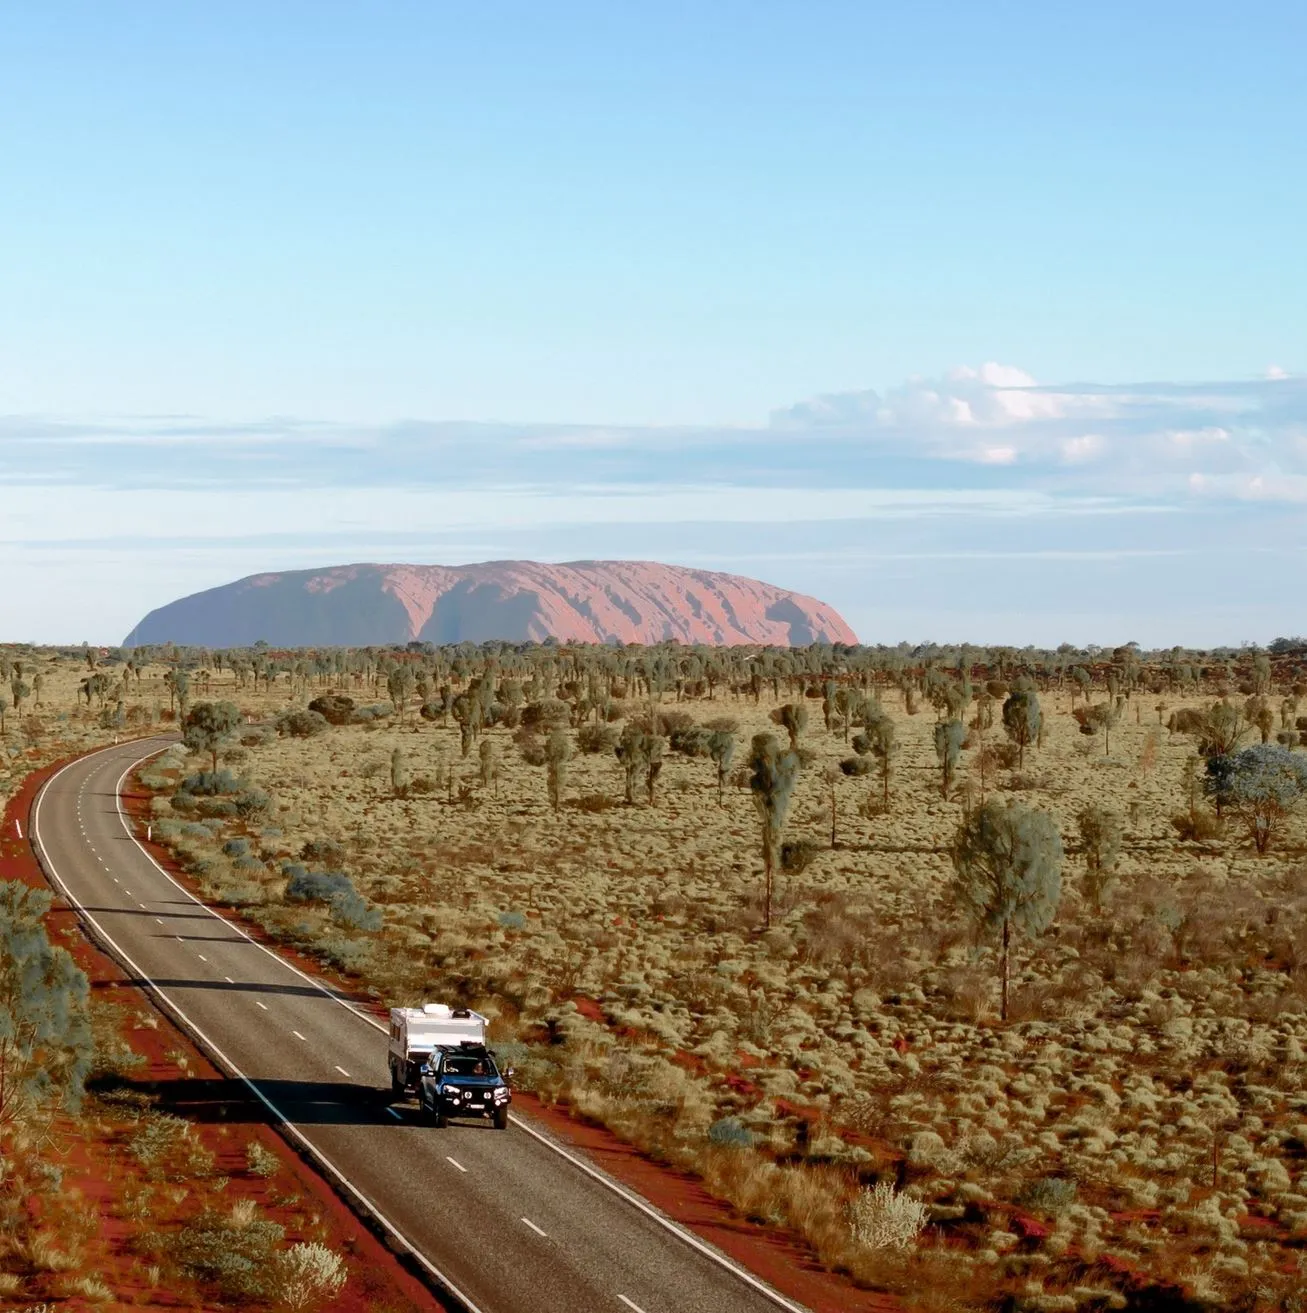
292,284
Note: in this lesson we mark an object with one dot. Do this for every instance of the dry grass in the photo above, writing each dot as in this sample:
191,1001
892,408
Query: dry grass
1155,1056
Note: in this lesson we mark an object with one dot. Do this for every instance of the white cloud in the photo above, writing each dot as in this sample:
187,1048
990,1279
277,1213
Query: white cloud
1124,438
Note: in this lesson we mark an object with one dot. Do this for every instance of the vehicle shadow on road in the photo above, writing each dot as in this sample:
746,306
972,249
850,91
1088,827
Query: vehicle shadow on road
227,1100
232,987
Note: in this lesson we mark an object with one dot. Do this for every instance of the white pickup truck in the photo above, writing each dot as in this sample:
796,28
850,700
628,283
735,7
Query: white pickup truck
416,1032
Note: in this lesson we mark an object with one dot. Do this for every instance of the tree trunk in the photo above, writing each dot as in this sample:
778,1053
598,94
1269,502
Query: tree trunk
1004,972
767,859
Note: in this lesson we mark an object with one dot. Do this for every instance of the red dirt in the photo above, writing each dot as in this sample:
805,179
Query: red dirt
97,1179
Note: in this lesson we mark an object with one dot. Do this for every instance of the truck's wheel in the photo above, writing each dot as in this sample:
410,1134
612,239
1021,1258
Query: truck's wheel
440,1119
396,1085
501,1119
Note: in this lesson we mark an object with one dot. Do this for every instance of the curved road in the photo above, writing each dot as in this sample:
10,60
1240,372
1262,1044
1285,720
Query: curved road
505,1222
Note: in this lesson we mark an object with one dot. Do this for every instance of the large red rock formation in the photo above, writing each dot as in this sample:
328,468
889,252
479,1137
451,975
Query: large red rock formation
582,601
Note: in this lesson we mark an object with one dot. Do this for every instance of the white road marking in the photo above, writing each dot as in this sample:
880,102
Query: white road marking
456,1163
202,957
178,938
18,827
229,980
158,920
394,1114
298,1035
257,1004
630,1303
288,1127
533,1226
343,1072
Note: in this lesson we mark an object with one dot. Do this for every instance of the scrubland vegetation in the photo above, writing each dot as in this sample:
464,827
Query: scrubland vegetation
981,970
106,1197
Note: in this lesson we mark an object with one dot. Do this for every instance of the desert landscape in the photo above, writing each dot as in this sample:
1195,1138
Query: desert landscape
560,837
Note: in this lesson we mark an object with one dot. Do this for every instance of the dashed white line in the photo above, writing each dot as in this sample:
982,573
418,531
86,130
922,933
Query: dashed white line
158,920
229,980
533,1226
343,1072
630,1303
257,1004
298,1035
202,957
456,1163
394,1114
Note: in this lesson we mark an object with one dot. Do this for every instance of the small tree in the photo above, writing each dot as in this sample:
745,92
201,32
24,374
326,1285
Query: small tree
45,1031
1021,720
774,773
489,764
558,752
950,735
1100,717
1260,785
1101,833
880,743
1007,862
721,748
209,727
398,774
793,719
641,755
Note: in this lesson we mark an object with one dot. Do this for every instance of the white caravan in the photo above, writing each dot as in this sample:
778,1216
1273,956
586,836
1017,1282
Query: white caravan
416,1032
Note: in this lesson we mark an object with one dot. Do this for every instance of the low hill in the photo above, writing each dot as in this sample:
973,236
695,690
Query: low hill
581,601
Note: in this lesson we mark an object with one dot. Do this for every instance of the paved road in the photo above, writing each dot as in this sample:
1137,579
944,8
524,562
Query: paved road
503,1220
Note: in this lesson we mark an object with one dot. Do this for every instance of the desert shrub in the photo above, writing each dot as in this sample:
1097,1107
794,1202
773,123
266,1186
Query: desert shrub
236,848
304,886
322,850
305,1275
593,802
512,920
596,738
551,713
882,1218
165,1146
1049,1194
856,766
730,1133
796,854
372,712
216,808
210,784
260,1160
255,736
1196,826
250,803
351,955
530,746
672,722
235,1255
352,911
422,786
693,741
335,708
301,724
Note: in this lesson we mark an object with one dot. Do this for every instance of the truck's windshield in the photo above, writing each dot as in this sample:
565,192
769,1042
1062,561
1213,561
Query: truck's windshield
460,1065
